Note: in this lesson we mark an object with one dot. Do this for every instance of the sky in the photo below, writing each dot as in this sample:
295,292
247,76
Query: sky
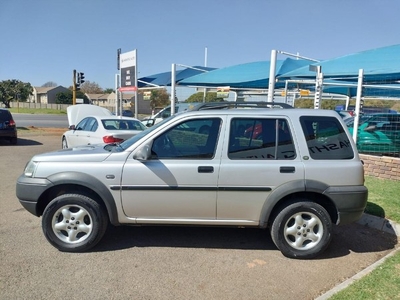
45,40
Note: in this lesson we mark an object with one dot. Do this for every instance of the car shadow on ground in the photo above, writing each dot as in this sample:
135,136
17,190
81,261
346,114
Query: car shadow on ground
21,142
346,239
117,238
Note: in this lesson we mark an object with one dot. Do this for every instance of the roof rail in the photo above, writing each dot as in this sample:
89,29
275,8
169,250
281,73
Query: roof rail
247,104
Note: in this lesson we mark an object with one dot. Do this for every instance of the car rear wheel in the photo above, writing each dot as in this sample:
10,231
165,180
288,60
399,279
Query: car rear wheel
64,143
13,141
74,222
302,230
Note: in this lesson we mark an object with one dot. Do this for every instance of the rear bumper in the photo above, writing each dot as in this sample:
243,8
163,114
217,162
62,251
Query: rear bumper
8,133
350,202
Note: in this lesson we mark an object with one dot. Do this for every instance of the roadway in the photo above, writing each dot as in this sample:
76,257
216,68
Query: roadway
41,120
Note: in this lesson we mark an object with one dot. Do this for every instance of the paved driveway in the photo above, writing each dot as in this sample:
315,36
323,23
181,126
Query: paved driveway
164,262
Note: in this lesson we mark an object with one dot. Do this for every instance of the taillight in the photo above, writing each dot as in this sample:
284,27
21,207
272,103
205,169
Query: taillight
108,139
11,123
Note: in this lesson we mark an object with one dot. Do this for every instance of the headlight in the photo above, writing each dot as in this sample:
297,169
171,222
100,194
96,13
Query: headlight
30,168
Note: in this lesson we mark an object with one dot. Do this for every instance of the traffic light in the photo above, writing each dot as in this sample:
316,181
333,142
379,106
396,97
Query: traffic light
79,80
81,77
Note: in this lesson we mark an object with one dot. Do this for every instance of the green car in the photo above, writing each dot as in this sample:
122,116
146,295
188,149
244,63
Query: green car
378,134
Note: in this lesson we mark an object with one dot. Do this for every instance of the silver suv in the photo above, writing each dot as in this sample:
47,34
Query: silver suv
294,171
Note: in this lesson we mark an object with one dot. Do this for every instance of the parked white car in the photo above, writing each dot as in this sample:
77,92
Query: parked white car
90,124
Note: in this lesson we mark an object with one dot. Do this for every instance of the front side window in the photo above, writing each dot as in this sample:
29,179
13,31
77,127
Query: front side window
193,139
91,125
260,139
81,125
326,138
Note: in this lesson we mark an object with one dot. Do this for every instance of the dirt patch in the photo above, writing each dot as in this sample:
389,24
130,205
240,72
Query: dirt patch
32,130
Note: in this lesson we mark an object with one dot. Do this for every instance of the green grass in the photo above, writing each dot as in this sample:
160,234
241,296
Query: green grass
383,198
38,111
384,281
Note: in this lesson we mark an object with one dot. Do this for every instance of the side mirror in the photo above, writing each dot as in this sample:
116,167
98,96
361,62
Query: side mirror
148,122
143,153
72,127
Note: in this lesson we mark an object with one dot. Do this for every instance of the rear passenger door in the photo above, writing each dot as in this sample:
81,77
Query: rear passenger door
260,155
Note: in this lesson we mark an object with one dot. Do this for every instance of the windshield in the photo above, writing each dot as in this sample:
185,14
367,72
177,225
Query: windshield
129,142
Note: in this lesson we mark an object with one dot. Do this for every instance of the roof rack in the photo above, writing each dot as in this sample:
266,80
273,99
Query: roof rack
248,104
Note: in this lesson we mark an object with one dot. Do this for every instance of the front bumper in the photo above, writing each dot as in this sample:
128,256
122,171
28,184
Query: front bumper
29,190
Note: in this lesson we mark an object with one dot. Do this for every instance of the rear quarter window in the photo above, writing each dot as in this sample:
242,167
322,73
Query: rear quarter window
326,138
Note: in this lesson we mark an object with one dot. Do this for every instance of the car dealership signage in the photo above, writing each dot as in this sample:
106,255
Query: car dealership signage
127,62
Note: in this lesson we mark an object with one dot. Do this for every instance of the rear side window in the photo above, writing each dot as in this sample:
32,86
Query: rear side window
326,138
260,139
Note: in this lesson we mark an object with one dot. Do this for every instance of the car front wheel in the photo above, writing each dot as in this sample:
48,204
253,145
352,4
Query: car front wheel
74,222
302,230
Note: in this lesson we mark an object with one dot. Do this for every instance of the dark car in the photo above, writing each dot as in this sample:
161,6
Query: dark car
127,113
8,128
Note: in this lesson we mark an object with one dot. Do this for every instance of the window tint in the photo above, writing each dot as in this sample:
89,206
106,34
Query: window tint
91,125
326,138
122,124
81,124
260,139
5,115
191,139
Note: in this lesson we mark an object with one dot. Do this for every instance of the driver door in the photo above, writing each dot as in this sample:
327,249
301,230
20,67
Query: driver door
178,184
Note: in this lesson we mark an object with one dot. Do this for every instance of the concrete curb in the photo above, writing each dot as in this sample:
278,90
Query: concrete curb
382,224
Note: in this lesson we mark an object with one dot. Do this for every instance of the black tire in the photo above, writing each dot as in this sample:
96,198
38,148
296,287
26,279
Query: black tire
64,144
302,230
74,222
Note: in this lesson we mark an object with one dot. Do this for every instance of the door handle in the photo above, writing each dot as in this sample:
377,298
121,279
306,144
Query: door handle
287,169
205,169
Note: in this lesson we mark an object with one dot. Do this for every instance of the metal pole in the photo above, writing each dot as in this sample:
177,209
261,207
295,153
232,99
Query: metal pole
358,101
318,87
74,88
136,85
347,102
116,93
286,90
173,79
205,64
271,85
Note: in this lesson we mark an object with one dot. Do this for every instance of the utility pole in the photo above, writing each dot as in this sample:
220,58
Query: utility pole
74,88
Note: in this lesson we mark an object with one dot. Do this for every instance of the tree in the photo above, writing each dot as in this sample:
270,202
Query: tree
210,97
159,98
50,84
14,90
66,97
108,91
91,88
